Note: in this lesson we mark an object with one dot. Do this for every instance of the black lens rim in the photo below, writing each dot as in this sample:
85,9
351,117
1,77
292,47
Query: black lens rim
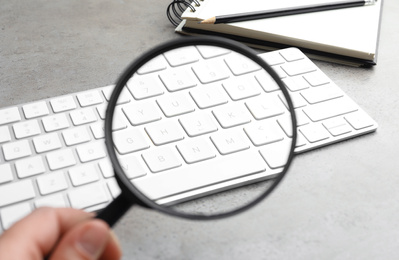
127,188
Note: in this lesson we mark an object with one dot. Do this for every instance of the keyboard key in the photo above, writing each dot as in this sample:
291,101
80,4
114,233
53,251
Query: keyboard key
232,115
4,134
131,140
324,110
162,159
196,150
76,135
267,82
62,104
322,93
83,116
285,123
89,98
296,83
272,58
280,72
178,79
132,166
5,173
201,175
9,115
26,129
276,154
16,192
298,67
240,65
314,132
211,51
47,142
29,166
156,64
106,168
211,72
119,121
182,56
83,174
198,124
52,182
98,130
209,96
165,132
114,188
12,214
124,97
264,132
337,126
35,109
146,86
16,150
179,104
60,159
296,98
55,122
87,196
359,120
241,88
292,54
91,151
54,201
301,118
230,141
265,107
142,112
317,78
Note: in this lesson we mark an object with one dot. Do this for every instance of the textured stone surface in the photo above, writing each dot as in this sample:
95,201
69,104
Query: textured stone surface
338,202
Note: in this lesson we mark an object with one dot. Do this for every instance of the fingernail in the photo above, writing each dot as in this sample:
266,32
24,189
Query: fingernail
93,238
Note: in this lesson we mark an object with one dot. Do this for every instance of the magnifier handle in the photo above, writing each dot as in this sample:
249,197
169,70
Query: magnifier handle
116,209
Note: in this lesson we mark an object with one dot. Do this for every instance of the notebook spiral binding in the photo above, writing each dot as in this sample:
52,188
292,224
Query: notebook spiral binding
177,7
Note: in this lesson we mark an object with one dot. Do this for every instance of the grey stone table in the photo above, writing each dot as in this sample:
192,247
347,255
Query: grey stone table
338,202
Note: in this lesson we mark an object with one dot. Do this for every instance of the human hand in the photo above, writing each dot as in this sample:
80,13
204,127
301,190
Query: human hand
61,233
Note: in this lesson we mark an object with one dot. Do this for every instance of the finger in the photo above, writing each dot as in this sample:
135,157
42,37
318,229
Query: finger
35,235
87,240
113,250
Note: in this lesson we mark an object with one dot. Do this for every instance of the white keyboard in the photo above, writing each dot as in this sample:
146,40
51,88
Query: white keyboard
53,153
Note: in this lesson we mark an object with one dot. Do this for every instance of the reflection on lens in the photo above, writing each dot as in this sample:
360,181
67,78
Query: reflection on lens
202,129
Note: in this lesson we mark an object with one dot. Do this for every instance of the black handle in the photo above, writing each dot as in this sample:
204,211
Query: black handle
115,210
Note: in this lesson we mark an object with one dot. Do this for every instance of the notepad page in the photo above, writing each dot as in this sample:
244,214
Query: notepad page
350,31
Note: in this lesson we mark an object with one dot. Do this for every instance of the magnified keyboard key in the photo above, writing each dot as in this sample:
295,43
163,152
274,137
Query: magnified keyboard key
202,174
211,72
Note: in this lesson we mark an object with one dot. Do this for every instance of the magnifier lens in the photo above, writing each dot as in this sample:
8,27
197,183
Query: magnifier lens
200,127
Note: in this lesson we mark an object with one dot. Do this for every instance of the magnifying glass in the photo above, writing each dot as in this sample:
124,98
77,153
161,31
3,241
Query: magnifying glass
200,128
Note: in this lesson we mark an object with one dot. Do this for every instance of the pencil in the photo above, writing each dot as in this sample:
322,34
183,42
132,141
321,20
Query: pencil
284,12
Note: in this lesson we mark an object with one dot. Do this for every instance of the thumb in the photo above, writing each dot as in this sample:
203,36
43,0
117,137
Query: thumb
86,241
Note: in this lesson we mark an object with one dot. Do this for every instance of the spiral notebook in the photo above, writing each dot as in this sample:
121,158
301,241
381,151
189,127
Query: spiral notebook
348,36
